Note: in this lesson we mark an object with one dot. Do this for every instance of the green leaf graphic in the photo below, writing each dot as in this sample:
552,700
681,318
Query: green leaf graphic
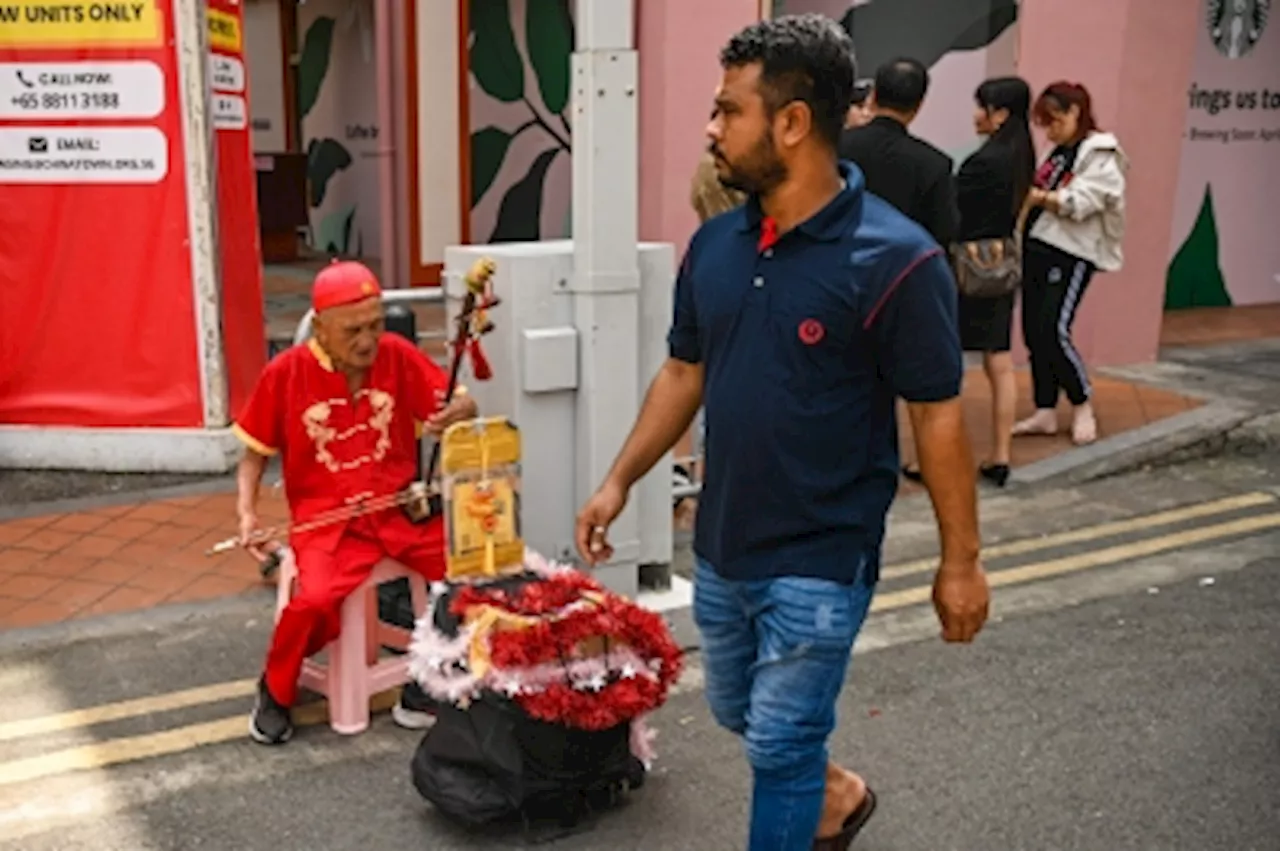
325,158
495,61
548,35
313,65
923,29
488,149
335,230
520,214
346,230
1195,274
987,29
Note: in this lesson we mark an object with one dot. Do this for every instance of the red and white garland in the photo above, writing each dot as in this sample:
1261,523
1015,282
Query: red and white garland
540,666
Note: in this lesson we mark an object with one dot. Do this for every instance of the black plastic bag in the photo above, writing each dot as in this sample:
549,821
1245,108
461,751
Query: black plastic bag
493,763
469,764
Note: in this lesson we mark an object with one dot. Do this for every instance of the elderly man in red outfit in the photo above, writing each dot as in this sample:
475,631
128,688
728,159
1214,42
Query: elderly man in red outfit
344,412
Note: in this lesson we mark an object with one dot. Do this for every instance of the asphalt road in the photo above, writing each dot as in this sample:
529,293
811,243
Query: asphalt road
1095,716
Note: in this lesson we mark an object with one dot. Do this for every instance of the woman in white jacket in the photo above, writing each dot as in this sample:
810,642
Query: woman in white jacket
1074,228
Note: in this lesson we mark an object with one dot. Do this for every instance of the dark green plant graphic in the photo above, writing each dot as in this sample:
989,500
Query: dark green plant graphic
313,65
515,222
1195,274
549,37
926,30
325,156
498,67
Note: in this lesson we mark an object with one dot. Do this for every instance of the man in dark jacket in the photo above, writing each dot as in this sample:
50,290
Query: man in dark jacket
904,170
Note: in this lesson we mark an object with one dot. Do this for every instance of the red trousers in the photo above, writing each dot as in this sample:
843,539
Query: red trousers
325,579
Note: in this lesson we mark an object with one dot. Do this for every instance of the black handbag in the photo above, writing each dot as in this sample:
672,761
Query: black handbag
987,268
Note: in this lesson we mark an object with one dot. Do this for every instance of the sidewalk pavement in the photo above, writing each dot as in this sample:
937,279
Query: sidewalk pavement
1201,326
1121,406
95,559
111,559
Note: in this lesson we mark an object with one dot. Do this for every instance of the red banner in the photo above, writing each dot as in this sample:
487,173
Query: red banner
97,320
244,337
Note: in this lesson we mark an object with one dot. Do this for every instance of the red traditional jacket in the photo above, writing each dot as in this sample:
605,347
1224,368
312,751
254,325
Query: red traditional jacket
338,448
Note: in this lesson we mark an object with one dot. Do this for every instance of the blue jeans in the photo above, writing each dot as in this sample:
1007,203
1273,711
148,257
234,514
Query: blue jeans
775,652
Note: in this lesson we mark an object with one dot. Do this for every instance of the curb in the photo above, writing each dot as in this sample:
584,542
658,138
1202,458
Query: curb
1140,446
1238,398
675,604
250,605
209,487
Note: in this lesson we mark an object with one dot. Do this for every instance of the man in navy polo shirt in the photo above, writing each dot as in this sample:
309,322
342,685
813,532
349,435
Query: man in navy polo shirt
799,318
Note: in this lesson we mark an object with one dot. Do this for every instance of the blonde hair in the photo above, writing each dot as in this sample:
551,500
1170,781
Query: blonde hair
708,195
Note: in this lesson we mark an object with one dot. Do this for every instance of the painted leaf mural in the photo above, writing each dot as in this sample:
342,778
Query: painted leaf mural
883,30
488,150
549,36
333,211
1195,275
325,158
313,64
519,217
518,130
495,61
333,235
984,31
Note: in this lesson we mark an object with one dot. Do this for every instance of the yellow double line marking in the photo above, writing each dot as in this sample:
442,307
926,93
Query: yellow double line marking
106,713
1094,533
133,748
1097,558
128,749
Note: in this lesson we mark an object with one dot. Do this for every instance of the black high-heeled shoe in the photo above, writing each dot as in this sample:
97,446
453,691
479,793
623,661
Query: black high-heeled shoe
913,474
997,474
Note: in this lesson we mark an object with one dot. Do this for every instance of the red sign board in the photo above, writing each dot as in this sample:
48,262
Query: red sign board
243,340
98,324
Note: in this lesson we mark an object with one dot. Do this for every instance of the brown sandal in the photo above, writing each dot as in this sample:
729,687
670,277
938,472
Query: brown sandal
852,825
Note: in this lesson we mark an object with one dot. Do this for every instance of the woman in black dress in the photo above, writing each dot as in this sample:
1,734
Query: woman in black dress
991,187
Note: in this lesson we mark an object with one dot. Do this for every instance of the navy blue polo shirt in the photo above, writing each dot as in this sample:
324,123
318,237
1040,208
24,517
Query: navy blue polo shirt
806,343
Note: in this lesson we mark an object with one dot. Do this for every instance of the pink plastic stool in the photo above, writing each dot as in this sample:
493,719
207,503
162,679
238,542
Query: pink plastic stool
354,673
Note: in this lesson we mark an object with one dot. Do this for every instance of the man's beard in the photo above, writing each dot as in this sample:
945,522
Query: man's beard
758,172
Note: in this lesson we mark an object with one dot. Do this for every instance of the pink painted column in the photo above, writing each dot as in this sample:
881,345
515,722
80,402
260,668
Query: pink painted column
1136,58
679,43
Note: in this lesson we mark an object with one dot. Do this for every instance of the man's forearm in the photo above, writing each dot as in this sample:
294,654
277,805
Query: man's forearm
946,464
667,410
248,480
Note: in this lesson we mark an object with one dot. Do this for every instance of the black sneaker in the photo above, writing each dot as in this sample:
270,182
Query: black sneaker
270,723
416,710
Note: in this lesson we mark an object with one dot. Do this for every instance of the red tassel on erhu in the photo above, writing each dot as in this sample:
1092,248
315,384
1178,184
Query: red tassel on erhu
479,363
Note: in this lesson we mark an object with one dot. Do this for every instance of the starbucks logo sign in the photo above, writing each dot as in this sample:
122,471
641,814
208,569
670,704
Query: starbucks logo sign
1236,25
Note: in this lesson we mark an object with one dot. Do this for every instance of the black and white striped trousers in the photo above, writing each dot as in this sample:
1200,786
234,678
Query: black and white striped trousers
1053,284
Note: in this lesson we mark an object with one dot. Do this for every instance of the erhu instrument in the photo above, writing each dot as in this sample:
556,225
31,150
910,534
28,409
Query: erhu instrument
420,500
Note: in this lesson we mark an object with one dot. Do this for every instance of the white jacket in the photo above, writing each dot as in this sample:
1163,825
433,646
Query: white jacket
1090,222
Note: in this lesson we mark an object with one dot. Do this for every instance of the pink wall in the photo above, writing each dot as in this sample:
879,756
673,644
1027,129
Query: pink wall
1135,57
679,44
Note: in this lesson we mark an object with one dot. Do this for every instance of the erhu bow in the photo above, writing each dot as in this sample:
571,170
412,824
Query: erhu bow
471,323
420,500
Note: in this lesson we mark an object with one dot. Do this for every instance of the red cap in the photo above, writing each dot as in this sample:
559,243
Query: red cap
341,283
